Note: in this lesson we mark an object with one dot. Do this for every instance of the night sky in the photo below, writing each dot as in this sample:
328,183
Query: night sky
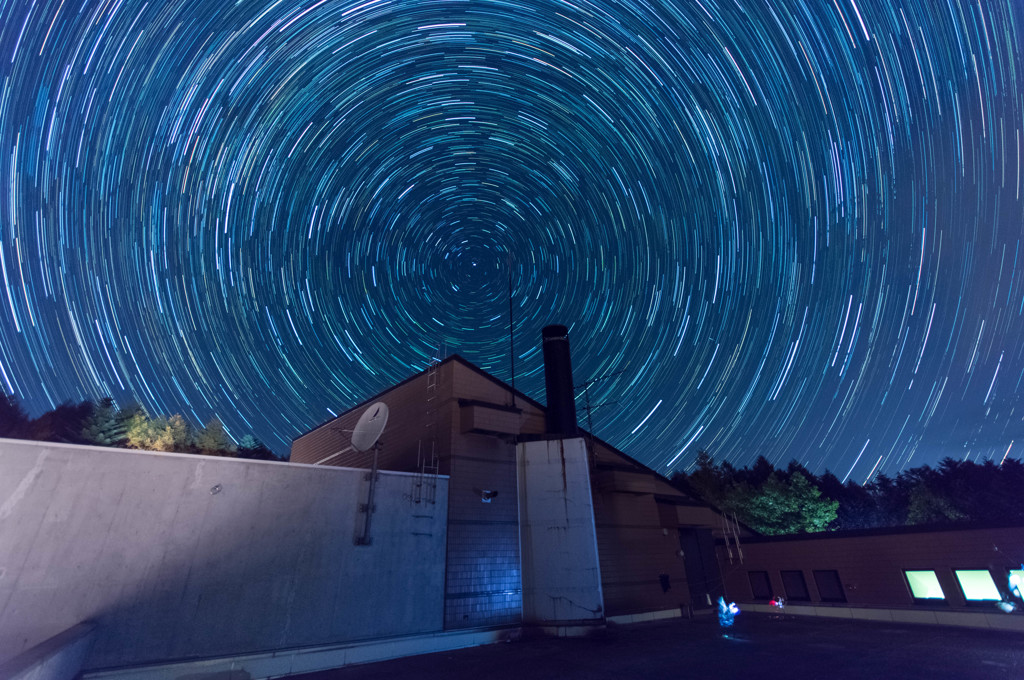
788,229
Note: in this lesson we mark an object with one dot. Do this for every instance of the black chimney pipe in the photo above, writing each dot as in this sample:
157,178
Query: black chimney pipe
561,411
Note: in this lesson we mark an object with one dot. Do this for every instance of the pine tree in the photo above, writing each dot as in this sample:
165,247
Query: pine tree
214,441
707,480
105,426
252,448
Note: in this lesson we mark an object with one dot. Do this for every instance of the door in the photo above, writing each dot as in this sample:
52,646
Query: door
702,573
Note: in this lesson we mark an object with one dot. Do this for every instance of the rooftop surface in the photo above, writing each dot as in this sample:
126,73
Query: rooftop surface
759,647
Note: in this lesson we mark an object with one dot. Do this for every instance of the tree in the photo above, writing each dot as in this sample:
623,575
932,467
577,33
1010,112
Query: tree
149,434
707,480
252,448
891,498
1006,495
777,501
62,424
172,434
857,508
795,466
782,506
13,419
183,438
759,473
214,441
102,423
102,427
926,505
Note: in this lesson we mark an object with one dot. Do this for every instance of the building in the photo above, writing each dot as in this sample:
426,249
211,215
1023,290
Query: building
941,575
488,512
660,552
655,545
478,512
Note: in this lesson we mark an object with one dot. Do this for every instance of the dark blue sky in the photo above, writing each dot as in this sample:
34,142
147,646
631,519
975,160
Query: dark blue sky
793,227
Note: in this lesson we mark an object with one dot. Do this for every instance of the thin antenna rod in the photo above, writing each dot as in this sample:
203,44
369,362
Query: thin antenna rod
511,330
586,394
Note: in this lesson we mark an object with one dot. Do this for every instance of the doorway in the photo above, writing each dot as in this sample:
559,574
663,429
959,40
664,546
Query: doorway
702,573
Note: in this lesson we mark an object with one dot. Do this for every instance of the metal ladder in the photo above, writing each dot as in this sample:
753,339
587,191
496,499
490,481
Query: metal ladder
427,464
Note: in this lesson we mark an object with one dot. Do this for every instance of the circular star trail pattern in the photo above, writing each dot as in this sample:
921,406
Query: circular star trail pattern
777,228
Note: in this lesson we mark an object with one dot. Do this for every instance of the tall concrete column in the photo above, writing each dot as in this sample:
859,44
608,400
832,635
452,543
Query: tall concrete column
558,541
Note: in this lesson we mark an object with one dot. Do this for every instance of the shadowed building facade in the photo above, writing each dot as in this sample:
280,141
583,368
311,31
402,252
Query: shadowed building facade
654,544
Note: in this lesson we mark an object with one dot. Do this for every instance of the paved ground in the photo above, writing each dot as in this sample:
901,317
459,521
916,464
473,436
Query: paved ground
759,647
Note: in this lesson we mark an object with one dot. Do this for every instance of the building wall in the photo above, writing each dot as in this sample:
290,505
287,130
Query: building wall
638,539
188,556
870,565
411,418
484,576
484,582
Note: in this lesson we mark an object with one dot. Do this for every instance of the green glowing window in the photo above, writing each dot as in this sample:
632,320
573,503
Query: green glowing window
977,585
924,585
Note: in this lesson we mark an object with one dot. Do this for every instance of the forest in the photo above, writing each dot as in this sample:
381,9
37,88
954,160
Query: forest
103,423
794,500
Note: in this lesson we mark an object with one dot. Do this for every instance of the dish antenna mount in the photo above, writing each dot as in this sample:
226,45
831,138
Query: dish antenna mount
366,436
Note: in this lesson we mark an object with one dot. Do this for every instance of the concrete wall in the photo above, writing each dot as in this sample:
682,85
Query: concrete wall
561,574
59,658
179,556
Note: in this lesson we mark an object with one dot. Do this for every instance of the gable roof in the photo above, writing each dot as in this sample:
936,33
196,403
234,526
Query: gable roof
456,358
451,358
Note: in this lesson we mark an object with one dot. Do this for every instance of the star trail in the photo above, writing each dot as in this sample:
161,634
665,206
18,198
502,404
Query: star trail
786,229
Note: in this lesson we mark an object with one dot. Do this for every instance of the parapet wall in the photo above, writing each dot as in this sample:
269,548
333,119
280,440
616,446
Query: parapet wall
180,556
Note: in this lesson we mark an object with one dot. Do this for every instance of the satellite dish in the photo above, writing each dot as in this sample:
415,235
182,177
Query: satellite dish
370,426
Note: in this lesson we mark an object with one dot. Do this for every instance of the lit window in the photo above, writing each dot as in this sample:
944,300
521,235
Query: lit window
924,585
977,585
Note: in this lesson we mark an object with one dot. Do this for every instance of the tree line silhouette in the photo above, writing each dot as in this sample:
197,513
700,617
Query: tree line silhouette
104,423
794,500
769,500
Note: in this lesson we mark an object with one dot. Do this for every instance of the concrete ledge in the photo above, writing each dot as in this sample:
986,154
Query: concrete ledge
626,619
564,630
282,663
928,617
59,658
834,612
872,614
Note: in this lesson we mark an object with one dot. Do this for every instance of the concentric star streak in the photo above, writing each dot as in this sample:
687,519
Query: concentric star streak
784,228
